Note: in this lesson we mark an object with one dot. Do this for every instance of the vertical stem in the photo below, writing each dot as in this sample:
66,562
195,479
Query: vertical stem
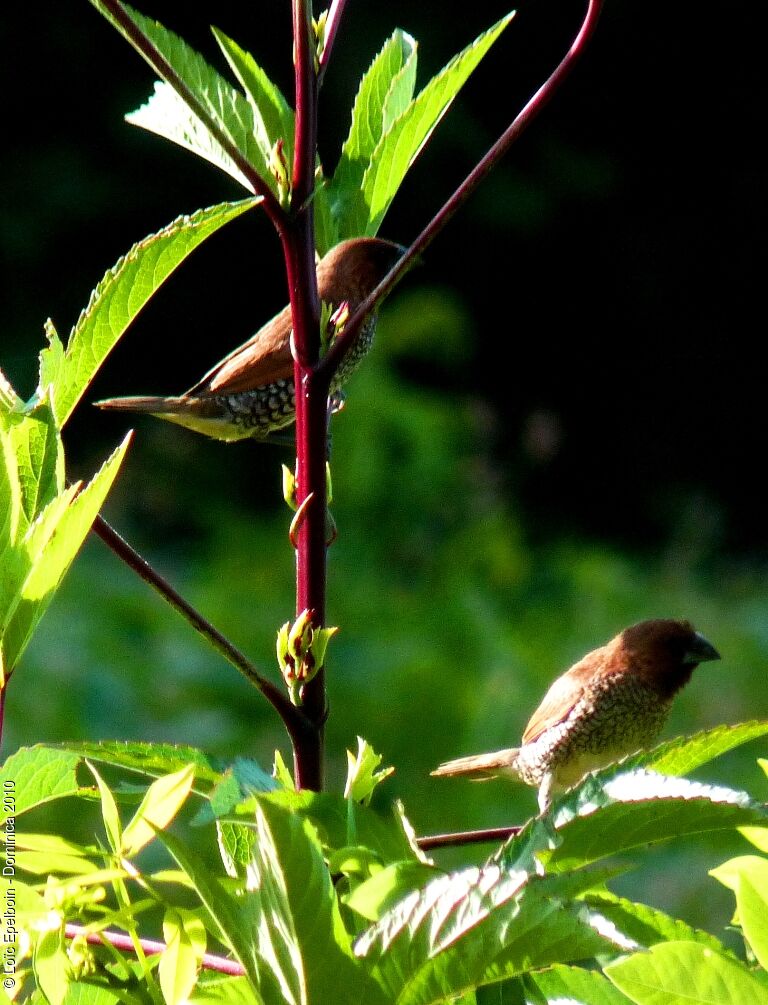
311,418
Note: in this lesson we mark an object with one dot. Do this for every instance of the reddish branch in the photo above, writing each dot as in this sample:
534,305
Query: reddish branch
298,239
454,840
332,360
150,947
293,718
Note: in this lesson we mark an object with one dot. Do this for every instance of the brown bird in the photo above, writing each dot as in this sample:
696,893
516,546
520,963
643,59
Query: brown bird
250,393
612,702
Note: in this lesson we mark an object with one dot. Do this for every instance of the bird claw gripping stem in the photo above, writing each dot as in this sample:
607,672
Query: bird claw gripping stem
301,652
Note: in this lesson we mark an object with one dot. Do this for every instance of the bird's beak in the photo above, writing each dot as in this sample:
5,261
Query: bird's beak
701,651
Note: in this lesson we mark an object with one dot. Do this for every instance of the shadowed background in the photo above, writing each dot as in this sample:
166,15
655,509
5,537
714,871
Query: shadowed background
557,434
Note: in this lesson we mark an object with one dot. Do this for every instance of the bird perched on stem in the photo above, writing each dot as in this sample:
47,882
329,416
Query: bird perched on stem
612,702
251,393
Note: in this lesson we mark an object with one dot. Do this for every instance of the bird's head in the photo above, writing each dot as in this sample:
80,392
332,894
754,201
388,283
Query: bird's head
354,268
665,651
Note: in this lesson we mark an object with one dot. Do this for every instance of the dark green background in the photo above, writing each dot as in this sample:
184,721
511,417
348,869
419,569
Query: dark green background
560,431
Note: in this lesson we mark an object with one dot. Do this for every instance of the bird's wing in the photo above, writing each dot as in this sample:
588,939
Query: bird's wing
566,691
264,358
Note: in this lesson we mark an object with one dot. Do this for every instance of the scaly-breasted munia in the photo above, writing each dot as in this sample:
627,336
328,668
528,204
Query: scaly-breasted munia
251,393
612,702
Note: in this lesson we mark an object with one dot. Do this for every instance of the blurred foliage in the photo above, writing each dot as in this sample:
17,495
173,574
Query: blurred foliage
452,623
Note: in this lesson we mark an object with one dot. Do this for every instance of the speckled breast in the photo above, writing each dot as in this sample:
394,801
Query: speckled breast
272,407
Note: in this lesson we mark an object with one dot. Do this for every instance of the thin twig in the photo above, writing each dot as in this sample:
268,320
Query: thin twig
495,834
294,719
333,358
151,947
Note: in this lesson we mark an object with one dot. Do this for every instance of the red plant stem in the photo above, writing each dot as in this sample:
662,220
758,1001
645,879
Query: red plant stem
335,14
332,359
150,947
311,396
454,840
296,723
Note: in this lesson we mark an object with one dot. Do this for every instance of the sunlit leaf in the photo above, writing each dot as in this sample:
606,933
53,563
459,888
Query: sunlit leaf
362,773
400,145
185,943
37,775
119,297
684,754
747,876
640,926
273,116
383,95
195,107
109,812
685,973
163,800
303,938
575,986
52,543
150,760
613,811
233,917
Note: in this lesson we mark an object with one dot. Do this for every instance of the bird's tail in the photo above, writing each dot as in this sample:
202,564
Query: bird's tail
153,406
482,765
203,414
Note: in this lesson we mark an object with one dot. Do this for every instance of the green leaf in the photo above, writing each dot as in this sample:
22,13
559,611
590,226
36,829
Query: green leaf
80,993
493,924
561,984
747,876
236,843
37,775
282,774
9,400
273,116
52,543
303,938
234,918
752,902
385,833
196,107
384,94
362,776
685,973
387,886
109,813
684,754
51,966
185,943
31,475
119,297
150,760
47,853
245,777
229,991
401,143
618,809
87,994
39,460
640,926
163,800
